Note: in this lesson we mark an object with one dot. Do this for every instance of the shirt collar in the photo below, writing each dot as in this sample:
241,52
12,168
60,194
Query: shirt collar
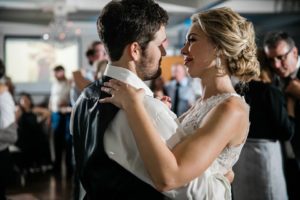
294,74
127,76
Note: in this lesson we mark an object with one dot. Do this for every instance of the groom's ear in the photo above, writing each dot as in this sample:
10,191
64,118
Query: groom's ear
135,51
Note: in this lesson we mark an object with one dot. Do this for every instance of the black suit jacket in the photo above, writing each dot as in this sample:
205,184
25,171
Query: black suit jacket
101,177
296,139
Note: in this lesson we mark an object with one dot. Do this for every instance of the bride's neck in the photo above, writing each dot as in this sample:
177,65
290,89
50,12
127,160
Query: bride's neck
217,86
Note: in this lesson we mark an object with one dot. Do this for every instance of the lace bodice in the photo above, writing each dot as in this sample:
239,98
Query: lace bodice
192,120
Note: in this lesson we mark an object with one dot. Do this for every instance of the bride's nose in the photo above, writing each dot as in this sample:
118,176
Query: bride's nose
184,49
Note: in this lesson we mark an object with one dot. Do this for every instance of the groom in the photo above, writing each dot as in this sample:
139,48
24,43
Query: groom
107,159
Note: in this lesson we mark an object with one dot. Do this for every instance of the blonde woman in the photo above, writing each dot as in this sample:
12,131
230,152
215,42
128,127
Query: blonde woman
219,44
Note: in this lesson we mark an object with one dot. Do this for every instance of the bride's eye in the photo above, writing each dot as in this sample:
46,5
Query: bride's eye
189,40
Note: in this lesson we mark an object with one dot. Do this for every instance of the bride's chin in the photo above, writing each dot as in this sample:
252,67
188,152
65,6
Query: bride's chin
190,73
193,75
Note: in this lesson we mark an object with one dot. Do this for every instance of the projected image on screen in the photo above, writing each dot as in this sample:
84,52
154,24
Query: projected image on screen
32,60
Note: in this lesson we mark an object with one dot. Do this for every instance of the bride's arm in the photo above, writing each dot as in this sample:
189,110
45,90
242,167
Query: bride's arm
167,168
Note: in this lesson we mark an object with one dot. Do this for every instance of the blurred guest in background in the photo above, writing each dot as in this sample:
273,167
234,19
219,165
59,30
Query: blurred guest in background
32,138
284,59
259,172
60,108
11,87
8,132
95,54
181,90
158,87
100,68
97,59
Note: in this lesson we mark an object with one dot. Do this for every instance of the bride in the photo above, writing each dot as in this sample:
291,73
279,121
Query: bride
219,44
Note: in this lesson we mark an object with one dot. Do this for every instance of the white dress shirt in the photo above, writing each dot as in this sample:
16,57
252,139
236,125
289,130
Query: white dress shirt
60,92
294,74
8,129
119,142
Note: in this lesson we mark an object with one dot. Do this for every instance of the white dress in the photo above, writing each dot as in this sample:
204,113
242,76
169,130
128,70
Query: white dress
214,185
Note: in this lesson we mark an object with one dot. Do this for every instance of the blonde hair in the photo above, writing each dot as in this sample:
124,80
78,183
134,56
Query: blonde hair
235,37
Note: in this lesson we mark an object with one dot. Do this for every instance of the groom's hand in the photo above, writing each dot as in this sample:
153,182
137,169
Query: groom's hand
230,176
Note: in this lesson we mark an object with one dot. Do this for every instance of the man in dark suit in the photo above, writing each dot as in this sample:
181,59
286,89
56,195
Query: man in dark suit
283,57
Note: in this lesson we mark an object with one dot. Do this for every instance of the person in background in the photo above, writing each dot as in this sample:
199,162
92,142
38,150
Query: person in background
59,105
100,69
95,54
11,87
8,132
97,57
158,87
32,139
90,55
283,57
100,51
180,90
259,172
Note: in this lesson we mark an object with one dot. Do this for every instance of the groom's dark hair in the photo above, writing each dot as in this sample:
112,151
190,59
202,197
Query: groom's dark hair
127,21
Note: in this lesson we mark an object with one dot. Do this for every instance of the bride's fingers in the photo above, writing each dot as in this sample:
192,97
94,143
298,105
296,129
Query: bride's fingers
112,85
117,82
107,90
106,100
108,84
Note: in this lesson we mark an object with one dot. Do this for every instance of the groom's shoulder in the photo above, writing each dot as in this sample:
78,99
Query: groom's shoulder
92,91
89,95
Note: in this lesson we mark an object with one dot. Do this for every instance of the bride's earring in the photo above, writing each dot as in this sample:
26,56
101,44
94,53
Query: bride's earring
218,61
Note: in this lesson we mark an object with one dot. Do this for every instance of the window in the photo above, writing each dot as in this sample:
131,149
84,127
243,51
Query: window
31,60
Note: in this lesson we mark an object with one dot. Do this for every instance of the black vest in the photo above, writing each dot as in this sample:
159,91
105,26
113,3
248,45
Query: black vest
101,177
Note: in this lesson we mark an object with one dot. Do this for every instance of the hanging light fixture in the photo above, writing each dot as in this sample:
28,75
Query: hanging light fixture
61,32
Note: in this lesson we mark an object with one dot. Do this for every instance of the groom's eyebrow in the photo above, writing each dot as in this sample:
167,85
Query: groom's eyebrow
161,41
164,40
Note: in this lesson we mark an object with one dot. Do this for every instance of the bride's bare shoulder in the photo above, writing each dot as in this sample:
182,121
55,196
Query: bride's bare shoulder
235,104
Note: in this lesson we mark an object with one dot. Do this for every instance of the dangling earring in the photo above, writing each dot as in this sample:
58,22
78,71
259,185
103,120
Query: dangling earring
218,62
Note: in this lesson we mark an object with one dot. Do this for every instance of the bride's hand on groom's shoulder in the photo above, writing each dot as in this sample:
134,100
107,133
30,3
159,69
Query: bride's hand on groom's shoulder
122,94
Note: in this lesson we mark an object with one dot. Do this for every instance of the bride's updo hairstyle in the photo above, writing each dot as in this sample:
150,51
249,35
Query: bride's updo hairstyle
234,36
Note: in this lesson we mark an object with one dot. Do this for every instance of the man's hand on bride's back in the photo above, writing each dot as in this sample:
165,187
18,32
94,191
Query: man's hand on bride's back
122,95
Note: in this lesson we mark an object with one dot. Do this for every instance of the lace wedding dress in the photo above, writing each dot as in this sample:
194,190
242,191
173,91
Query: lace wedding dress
212,183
